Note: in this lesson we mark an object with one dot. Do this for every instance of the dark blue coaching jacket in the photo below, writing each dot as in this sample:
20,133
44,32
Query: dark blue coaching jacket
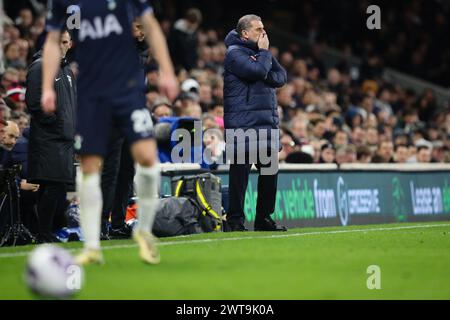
250,78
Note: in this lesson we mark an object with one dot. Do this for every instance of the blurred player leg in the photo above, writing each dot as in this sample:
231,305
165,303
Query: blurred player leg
147,182
90,193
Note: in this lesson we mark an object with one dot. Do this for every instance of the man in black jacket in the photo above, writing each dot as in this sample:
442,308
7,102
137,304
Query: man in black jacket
183,40
51,144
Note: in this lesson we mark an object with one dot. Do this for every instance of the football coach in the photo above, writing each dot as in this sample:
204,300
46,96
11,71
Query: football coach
250,106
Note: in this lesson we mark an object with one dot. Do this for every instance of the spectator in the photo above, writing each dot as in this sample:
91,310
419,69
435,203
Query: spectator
372,139
401,153
12,54
346,154
367,106
24,22
4,110
193,110
340,139
439,152
341,156
354,118
214,147
183,39
287,146
22,119
161,109
17,95
401,139
423,154
410,122
299,128
10,139
205,96
141,46
318,129
216,110
386,151
10,134
217,91
383,103
191,85
364,154
209,122
327,153
358,136
350,152
286,101
286,60
151,70
183,101
13,152
9,78
427,106
151,96
314,148
412,152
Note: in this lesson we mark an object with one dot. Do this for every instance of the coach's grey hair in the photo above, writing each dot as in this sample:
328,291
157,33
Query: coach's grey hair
245,22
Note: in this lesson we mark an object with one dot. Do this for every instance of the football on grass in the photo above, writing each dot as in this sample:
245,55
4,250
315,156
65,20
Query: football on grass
51,272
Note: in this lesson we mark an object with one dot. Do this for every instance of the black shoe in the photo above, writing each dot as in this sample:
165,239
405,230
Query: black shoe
74,237
104,233
236,227
123,232
104,236
267,224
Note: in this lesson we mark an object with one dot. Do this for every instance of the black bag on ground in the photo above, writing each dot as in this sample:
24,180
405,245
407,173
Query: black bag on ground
176,217
205,190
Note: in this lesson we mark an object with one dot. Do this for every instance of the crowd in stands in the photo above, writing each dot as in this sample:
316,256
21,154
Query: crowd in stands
412,38
327,115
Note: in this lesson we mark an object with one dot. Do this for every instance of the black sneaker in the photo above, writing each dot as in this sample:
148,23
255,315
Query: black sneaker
104,236
104,233
235,227
124,232
267,224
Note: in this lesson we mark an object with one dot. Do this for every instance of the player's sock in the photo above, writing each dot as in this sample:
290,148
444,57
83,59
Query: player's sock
91,201
147,182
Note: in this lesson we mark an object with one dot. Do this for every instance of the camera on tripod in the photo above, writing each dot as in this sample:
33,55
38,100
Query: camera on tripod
16,232
10,173
7,176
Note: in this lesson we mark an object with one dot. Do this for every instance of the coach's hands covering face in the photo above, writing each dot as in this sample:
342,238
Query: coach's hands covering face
263,41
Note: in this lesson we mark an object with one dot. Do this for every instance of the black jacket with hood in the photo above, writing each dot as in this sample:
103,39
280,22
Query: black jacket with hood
51,142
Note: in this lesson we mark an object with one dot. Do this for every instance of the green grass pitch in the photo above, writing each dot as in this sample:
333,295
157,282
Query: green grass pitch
314,263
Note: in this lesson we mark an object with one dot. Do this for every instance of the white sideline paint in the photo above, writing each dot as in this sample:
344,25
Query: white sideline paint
273,236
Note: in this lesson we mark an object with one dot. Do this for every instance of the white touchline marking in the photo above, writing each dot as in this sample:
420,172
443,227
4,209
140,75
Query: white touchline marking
273,236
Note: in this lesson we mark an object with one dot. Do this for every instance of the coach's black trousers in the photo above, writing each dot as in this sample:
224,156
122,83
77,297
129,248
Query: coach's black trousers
51,206
117,181
238,181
